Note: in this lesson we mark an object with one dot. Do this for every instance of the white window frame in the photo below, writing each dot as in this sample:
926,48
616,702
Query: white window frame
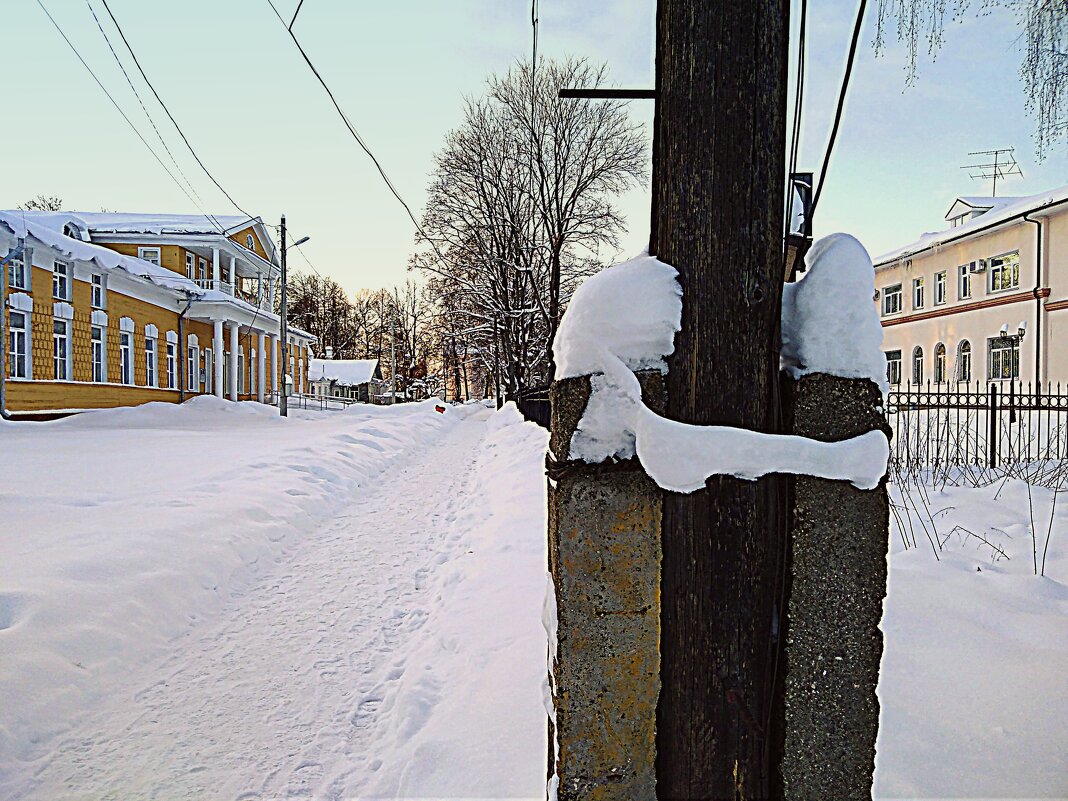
997,348
61,349
917,293
61,280
98,353
250,242
202,269
172,365
1010,258
252,372
940,281
18,352
893,367
209,368
98,292
144,253
917,365
940,364
241,370
889,293
190,265
964,361
151,360
126,358
964,281
16,274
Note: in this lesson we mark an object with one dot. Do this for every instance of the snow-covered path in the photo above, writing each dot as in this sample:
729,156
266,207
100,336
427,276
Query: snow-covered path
284,693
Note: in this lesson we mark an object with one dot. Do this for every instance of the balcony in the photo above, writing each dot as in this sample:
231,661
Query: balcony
220,286
227,288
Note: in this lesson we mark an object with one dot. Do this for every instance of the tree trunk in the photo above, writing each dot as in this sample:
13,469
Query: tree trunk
718,169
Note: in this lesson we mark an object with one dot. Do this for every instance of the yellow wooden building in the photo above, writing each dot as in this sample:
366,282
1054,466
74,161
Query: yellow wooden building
106,310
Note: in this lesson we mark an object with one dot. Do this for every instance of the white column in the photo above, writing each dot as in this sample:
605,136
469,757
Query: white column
217,360
274,363
234,329
216,268
261,366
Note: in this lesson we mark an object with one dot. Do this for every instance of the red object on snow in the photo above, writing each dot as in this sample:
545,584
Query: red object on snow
439,409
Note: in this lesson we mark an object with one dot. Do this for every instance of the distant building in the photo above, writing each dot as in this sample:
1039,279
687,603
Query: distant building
984,300
111,310
343,378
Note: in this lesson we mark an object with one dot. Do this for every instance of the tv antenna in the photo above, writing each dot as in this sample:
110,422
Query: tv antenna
1002,166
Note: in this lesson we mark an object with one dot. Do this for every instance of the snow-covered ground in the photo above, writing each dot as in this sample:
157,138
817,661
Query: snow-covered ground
210,602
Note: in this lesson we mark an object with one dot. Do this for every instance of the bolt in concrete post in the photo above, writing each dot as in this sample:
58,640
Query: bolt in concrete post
833,645
604,556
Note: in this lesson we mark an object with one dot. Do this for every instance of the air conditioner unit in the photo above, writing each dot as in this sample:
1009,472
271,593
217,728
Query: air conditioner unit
978,266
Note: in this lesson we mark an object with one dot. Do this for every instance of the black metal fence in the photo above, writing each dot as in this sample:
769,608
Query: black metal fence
987,425
533,404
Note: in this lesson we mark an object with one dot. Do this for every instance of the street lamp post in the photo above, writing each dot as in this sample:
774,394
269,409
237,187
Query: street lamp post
283,398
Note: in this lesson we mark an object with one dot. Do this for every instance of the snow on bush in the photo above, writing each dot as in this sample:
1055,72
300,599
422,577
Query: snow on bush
625,318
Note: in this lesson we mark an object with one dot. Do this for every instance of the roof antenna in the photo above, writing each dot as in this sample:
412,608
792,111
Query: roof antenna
1003,165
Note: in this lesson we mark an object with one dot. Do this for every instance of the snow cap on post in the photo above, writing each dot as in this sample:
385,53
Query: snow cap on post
830,323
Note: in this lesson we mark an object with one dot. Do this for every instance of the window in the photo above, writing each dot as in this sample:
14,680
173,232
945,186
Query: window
61,280
209,371
1005,272
241,372
96,294
940,288
172,366
16,274
964,281
964,361
893,366
17,345
917,365
1004,357
150,361
60,349
892,299
202,269
125,357
192,369
96,342
252,374
190,266
149,254
250,242
940,363
917,293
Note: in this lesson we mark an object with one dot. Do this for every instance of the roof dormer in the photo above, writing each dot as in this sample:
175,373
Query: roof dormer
966,209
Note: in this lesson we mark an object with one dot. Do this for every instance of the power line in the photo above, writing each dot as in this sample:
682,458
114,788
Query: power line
841,103
137,95
354,132
171,116
115,104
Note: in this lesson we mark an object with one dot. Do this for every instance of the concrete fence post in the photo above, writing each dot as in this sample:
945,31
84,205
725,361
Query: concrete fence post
604,557
838,570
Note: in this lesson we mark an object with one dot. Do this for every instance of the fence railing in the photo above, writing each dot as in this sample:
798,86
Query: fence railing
533,404
988,425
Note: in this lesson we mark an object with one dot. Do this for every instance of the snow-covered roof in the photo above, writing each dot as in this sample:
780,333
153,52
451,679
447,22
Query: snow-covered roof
156,224
1001,212
967,204
47,228
351,372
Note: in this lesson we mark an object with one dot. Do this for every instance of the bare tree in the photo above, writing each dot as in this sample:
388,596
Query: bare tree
519,208
43,203
1044,70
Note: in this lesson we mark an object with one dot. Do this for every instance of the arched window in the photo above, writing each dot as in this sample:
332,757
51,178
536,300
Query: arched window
250,242
964,361
72,230
940,363
917,365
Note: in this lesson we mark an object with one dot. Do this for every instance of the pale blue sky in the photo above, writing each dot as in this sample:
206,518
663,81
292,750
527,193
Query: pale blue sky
401,69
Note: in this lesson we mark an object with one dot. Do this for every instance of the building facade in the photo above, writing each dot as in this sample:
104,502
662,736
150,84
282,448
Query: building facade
106,310
985,300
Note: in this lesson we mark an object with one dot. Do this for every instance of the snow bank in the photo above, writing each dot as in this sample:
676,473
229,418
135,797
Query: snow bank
597,337
476,679
121,529
829,322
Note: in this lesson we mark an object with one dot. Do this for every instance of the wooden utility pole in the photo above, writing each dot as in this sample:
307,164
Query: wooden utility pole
283,397
718,168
